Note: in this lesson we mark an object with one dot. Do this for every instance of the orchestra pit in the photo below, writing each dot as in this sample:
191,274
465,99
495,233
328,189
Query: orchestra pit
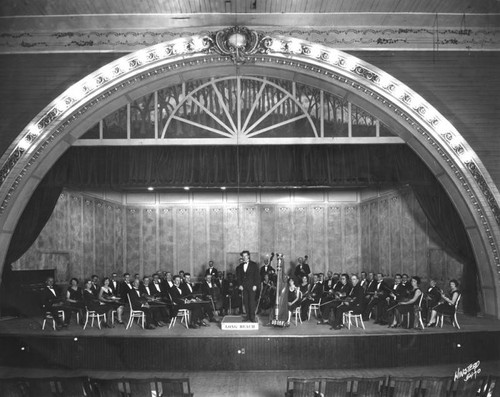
249,198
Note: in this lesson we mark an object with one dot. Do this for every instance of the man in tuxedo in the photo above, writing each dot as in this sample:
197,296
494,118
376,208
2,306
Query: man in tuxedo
95,288
314,296
340,292
125,287
52,303
139,303
302,269
378,299
158,289
267,269
207,290
363,281
169,282
211,269
180,300
248,276
114,284
354,301
158,308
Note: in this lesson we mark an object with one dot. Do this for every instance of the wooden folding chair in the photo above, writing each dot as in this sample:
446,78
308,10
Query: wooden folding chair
336,387
300,387
435,387
176,387
368,387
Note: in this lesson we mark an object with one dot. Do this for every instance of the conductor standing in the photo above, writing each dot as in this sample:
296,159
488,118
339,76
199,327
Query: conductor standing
248,276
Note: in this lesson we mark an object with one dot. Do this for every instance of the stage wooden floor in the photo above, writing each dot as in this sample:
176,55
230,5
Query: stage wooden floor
307,346
32,326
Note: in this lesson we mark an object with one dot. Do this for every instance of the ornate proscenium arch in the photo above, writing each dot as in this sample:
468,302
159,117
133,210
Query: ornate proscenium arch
433,137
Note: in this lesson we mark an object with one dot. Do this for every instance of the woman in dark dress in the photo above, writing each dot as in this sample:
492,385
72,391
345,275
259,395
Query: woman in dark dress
407,306
267,295
447,307
305,302
74,298
94,304
294,296
106,295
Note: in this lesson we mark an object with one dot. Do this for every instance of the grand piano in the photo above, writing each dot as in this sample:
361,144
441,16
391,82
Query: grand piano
22,290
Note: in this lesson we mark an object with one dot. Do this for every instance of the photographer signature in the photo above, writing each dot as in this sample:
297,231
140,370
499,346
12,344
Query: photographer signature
469,372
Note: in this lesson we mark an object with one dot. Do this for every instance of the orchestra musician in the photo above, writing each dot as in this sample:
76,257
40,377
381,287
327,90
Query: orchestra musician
94,304
332,301
447,306
267,294
158,308
74,298
398,293
353,301
115,284
209,290
293,297
432,298
52,303
377,299
329,282
181,301
363,281
106,295
406,306
125,286
211,269
139,303
268,269
313,295
247,274
302,269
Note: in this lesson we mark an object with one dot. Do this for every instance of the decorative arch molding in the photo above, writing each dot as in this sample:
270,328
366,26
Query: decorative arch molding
240,50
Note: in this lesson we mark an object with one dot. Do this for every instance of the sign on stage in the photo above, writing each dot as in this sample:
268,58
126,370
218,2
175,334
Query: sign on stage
236,323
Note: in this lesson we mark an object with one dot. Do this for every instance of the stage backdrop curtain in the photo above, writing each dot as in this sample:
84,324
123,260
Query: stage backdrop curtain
128,168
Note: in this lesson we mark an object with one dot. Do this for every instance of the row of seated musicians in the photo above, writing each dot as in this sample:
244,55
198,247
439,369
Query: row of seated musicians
481,386
157,296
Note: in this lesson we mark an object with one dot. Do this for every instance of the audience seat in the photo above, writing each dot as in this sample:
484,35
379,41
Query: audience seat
299,387
435,387
173,387
368,387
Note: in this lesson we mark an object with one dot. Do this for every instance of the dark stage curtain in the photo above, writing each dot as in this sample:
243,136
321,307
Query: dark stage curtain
118,168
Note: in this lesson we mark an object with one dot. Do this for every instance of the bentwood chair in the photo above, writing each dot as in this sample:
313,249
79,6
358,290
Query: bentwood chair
93,315
314,307
138,314
348,316
454,320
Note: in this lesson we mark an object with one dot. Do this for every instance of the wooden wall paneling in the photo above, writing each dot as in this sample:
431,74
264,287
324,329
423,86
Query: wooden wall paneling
283,237
317,251
100,224
407,234
267,230
421,241
108,240
454,268
351,239
166,242
365,237
133,240
119,264
395,215
334,238
232,230
60,231
250,230
200,242
182,253
375,237
216,238
88,237
384,234
149,241
302,229
75,232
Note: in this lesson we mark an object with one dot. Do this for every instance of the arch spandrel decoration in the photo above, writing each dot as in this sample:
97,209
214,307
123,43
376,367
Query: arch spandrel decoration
237,46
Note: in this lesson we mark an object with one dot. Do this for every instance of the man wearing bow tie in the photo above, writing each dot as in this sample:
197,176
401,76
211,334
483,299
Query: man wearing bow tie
52,304
248,276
